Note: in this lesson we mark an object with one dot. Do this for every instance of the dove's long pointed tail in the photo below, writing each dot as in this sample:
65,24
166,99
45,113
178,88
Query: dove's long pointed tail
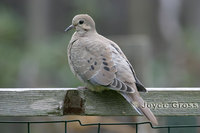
138,104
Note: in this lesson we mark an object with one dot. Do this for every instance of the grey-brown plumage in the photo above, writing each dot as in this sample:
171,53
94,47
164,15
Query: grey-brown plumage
100,64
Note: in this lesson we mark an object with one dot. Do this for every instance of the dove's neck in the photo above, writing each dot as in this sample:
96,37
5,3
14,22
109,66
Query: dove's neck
85,33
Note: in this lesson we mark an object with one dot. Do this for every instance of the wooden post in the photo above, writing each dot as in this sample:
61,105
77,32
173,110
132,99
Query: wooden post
67,101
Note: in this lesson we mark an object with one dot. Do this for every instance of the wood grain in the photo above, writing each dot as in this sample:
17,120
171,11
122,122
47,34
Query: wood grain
68,101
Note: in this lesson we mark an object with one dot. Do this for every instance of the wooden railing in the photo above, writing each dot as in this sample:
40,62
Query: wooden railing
67,101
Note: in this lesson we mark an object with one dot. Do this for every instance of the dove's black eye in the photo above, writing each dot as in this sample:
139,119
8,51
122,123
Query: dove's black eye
81,22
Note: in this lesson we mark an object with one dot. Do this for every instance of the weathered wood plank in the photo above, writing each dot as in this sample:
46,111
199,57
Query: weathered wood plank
31,101
66,101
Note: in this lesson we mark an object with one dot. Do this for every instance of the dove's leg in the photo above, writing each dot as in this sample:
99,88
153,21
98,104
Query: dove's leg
82,88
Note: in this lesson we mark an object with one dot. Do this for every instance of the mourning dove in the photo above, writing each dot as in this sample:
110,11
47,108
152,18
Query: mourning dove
101,64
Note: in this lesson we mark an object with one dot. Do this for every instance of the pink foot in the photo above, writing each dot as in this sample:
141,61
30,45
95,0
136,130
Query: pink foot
82,87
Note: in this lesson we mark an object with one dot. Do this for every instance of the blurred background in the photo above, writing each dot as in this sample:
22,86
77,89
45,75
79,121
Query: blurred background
160,38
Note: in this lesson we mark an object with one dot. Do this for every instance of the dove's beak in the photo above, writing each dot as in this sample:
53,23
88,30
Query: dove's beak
69,28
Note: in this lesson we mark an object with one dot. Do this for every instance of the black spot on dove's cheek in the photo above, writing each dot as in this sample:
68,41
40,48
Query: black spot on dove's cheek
88,61
104,59
105,63
107,68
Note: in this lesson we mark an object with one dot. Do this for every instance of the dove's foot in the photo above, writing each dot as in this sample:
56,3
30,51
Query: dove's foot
82,88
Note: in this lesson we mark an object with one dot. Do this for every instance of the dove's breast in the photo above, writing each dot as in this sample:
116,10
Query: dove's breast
73,57
83,56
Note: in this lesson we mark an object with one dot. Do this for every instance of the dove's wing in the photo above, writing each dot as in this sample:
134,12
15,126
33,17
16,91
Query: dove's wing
140,86
96,65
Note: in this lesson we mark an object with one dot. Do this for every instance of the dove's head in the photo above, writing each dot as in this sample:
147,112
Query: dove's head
83,23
